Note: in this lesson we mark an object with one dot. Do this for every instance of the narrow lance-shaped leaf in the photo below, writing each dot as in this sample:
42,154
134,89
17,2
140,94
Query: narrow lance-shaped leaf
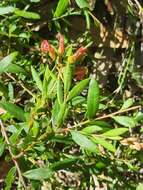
7,61
46,81
77,89
82,4
67,78
125,121
10,178
44,92
38,174
91,129
14,110
63,163
87,16
60,91
104,143
92,98
27,14
55,111
52,88
10,91
2,148
84,142
61,7
115,132
36,78
13,68
60,116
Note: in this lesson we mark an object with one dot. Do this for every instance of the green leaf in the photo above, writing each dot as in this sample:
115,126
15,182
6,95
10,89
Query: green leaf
55,111
6,10
61,7
52,88
140,186
87,17
91,129
2,148
125,121
61,139
104,125
100,123
61,114
13,68
115,138
78,100
60,95
104,143
128,103
67,78
78,88
139,117
3,89
35,129
49,73
34,1
63,164
10,178
10,91
115,132
82,4
83,141
7,61
93,98
27,14
36,78
38,174
14,110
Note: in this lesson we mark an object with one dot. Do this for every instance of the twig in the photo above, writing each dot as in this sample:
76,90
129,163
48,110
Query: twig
102,117
4,134
21,84
118,112
74,126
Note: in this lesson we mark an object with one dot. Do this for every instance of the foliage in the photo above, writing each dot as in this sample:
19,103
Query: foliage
55,117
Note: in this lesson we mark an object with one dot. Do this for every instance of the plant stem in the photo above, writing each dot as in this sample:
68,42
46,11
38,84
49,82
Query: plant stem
118,112
4,134
102,117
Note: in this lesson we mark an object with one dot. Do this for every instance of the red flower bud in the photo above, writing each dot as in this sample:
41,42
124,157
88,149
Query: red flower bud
79,53
46,47
61,49
51,52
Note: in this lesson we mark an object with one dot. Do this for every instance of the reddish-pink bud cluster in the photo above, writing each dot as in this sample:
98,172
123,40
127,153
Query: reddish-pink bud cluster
47,47
44,46
79,53
61,49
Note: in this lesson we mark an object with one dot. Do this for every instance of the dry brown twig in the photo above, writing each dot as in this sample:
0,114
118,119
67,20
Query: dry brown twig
102,117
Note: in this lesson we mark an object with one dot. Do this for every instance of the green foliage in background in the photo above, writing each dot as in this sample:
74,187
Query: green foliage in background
54,123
